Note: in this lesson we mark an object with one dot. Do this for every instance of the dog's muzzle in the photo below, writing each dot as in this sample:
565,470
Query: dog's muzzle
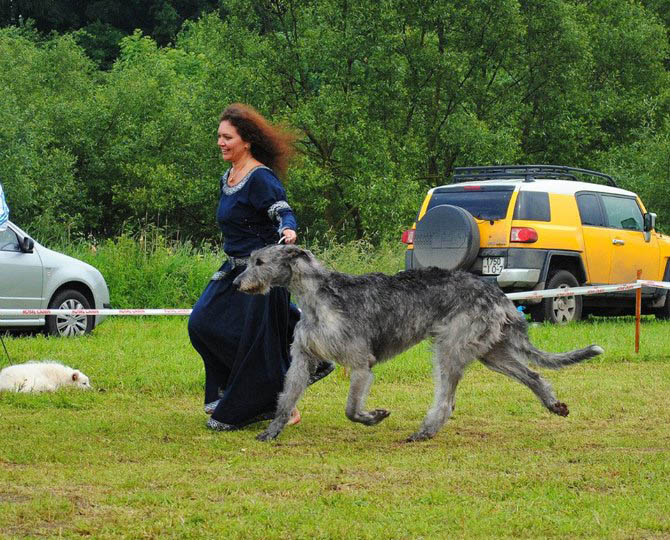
249,288
236,282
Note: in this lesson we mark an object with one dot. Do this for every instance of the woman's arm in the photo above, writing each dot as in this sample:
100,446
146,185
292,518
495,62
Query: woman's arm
267,194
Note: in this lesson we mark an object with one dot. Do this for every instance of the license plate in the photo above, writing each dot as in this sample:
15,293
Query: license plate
493,265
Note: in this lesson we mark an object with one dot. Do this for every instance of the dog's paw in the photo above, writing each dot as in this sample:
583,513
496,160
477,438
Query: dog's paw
266,436
377,416
561,409
419,436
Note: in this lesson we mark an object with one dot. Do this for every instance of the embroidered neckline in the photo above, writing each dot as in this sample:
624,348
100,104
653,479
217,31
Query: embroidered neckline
229,190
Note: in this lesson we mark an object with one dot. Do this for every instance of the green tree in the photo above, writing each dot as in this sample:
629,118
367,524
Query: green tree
45,88
102,23
629,48
155,151
387,97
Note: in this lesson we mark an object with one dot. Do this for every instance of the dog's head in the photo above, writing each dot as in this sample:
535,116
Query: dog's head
272,266
80,380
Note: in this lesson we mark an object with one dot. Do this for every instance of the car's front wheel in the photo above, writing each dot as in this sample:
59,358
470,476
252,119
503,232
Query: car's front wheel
664,312
69,325
560,309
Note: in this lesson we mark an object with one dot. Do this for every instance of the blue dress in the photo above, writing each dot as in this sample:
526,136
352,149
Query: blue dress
244,339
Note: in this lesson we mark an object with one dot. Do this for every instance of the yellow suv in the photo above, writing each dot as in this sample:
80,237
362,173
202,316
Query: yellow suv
531,227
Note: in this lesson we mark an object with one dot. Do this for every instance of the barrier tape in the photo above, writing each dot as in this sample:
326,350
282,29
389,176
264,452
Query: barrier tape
95,311
656,284
575,291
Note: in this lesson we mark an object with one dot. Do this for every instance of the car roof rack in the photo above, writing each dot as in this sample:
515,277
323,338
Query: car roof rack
528,172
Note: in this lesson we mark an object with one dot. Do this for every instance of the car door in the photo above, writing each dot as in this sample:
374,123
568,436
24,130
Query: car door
632,247
597,238
20,276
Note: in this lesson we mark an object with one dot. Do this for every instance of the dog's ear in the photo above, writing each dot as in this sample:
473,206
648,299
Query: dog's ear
75,376
296,252
300,253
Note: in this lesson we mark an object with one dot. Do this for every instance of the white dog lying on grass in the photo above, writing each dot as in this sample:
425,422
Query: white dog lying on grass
41,377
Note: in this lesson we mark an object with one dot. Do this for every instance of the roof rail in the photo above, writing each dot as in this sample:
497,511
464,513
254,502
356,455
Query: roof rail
528,172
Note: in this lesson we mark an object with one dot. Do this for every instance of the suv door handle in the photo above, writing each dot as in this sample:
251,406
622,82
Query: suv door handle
618,242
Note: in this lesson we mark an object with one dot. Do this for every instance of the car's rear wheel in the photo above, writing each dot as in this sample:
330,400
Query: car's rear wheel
69,325
560,309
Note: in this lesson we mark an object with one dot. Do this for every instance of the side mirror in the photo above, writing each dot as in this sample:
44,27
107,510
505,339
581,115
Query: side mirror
27,245
649,221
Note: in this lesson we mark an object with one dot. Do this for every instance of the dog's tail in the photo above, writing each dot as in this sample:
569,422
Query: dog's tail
557,361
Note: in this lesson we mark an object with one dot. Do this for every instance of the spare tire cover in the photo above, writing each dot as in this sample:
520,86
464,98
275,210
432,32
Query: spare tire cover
446,237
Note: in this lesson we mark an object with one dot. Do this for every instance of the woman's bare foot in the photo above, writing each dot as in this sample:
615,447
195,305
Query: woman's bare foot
211,406
294,418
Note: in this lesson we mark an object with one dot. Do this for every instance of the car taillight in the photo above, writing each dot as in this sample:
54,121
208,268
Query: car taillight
523,234
408,236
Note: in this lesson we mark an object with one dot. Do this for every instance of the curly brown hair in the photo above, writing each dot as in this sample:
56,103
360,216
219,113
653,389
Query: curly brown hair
271,145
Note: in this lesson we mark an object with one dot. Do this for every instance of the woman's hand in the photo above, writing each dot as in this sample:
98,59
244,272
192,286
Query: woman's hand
290,236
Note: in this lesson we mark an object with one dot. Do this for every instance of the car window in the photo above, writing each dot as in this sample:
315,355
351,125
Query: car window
623,213
481,203
9,241
532,206
589,209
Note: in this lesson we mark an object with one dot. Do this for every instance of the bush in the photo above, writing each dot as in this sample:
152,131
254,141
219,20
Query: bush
147,271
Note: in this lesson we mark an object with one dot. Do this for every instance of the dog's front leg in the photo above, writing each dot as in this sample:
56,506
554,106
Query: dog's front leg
360,382
297,378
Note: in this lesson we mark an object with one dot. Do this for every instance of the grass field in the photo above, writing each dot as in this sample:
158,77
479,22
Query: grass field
133,458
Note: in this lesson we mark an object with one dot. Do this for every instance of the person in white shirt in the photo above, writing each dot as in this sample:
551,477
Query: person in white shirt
4,210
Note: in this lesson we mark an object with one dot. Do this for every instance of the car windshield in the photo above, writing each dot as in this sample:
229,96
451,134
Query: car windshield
483,204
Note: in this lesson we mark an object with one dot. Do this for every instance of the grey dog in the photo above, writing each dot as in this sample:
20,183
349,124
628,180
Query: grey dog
359,321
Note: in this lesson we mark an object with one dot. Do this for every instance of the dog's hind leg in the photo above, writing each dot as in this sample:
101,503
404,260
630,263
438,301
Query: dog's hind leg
448,371
503,359
295,383
360,381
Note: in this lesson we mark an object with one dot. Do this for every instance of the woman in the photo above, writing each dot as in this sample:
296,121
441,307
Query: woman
244,339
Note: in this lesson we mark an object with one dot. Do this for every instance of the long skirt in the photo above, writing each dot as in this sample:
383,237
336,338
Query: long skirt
244,342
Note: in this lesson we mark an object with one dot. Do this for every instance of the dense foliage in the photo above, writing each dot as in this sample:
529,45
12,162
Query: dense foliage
387,96
100,24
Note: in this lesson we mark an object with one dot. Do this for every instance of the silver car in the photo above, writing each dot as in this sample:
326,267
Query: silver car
34,277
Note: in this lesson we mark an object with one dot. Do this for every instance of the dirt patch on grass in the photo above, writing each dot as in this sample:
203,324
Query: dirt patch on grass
15,498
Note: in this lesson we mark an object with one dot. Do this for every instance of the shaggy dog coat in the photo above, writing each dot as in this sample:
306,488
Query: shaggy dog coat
359,321
41,377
